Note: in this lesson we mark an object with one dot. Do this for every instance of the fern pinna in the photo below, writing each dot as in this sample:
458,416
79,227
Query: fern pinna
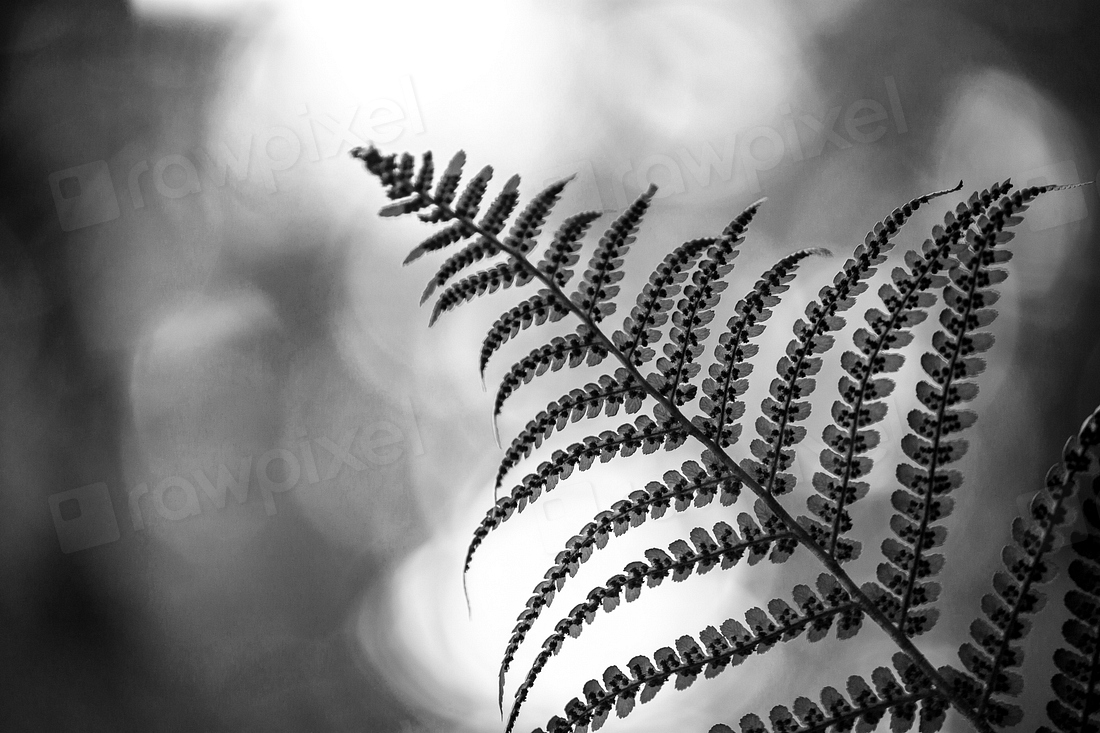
673,400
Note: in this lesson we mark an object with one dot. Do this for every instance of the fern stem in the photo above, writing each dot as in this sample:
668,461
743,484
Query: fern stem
804,536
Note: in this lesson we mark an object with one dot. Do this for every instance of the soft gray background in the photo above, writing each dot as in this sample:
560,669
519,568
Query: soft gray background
177,325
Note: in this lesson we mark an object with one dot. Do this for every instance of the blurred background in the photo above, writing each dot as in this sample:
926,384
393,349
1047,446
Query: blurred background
238,471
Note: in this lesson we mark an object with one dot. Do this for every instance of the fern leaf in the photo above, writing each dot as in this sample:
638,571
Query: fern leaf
1017,593
722,549
574,349
787,405
528,225
491,224
423,183
727,376
715,651
443,238
605,397
645,434
382,166
404,188
640,327
403,177
695,311
562,252
862,712
498,277
931,445
561,255
862,405
541,307
469,202
598,286
697,491
692,486
1076,707
445,190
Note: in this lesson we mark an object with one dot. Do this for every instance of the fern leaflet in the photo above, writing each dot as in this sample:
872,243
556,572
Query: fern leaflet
1075,684
491,223
645,434
727,376
598,283
1017,593
864,711
691,486
787,405
605,397
723,550
720,649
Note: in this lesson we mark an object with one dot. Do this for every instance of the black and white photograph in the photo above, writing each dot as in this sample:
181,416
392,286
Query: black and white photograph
516,366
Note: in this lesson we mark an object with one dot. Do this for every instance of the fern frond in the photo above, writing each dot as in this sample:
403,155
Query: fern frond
863,711
470,200
645,434
1076,708
695,311
423,183
651,311
443,238
724,549
952,370
606,396
445,190
491,223
528,225
693,485
541,307
1017,593
787,405
490,280
719,649
726,379
574,349
977,694
862,405
597,287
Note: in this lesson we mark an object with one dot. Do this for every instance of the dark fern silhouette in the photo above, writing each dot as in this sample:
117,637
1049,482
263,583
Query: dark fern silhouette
956,268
